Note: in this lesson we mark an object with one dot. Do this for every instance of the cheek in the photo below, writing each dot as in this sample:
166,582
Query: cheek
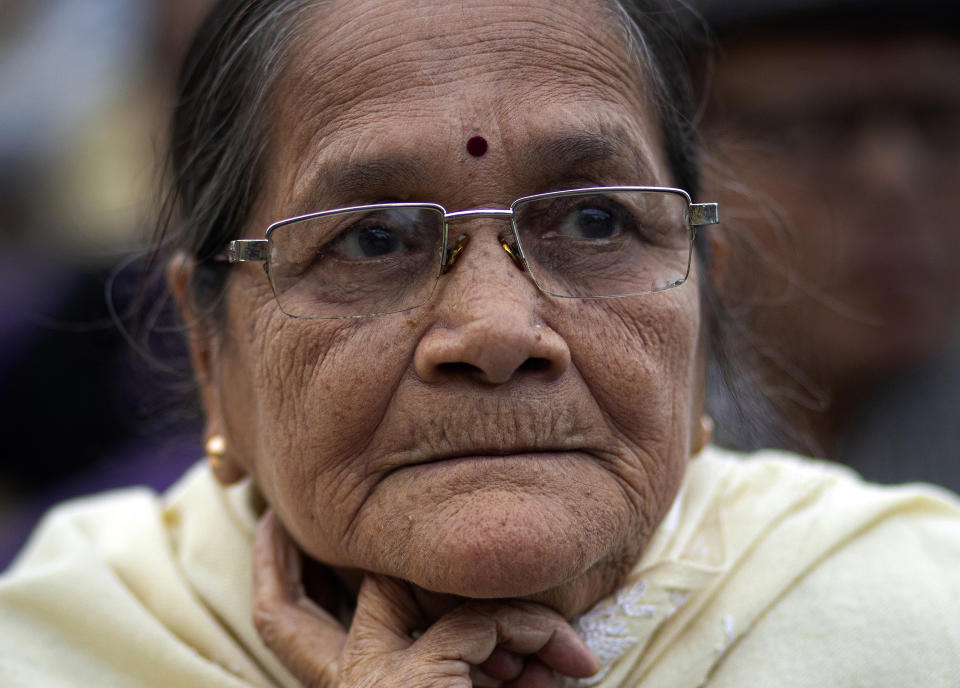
641,362
315,391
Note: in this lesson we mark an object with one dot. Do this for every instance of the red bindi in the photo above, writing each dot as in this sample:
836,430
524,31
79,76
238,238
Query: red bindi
477,146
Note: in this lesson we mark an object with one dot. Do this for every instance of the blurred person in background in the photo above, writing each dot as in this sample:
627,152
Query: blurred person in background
840,122
85,95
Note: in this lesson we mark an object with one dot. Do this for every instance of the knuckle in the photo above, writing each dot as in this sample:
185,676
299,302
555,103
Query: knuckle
327,675
439,676
265,621
466,621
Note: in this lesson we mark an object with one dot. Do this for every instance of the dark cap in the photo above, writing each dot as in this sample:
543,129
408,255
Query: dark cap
731,16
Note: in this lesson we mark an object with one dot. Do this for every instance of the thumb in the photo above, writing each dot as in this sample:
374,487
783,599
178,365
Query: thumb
386,618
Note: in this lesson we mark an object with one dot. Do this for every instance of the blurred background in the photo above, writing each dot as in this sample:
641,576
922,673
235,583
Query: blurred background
832,132
86,88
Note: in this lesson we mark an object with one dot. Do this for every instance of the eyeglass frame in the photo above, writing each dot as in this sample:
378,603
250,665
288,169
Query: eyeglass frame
257,250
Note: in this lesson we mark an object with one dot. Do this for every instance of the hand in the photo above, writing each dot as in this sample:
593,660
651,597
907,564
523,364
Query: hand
519,642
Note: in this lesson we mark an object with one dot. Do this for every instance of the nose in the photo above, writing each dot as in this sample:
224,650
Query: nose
487,323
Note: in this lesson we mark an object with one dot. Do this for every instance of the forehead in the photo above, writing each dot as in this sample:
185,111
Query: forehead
372,43
371,78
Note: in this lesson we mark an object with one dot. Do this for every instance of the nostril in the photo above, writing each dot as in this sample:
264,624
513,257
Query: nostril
535,364
461,368
492,351
458,368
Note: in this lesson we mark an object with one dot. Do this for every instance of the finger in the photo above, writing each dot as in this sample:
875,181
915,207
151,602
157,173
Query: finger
305,638
379,647
472,631
567,653
502,665
526,628
386,616
535,675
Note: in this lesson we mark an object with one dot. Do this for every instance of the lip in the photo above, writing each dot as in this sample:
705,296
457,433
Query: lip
491,457
510,454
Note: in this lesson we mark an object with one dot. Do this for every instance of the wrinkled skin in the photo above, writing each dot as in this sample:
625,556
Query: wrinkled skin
519,642
496,442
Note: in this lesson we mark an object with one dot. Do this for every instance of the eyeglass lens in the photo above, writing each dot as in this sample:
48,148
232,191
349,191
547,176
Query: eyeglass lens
614,244
385,260
366,262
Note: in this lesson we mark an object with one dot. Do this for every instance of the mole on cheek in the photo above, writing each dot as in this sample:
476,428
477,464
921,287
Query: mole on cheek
477,146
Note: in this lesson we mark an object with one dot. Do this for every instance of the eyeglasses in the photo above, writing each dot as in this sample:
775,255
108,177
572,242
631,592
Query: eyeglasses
369,260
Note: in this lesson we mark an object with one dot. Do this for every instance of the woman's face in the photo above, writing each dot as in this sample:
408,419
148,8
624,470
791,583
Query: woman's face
495,442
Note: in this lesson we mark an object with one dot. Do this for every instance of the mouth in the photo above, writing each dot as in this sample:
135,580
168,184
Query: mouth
488,432
514,451
491,458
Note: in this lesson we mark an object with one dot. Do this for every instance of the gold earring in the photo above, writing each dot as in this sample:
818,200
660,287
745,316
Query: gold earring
706,434
216,447
706,427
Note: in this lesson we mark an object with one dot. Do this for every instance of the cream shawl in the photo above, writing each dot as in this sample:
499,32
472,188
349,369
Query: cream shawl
768,571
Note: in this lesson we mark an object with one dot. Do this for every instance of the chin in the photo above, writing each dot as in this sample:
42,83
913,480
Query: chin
505,528
481,550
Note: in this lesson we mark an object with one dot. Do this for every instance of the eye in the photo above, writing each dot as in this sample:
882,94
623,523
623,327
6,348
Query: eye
367,242
590,222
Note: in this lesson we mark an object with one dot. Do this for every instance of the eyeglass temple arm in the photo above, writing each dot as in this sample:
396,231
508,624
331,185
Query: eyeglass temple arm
704,214
243,251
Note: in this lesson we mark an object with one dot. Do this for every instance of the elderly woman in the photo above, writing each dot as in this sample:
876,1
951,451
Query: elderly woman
436,269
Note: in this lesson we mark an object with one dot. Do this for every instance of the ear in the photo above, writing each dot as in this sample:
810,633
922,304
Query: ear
203,344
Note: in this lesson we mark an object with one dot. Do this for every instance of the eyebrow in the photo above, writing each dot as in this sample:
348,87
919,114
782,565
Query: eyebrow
562,156
364,181
571,150
568,155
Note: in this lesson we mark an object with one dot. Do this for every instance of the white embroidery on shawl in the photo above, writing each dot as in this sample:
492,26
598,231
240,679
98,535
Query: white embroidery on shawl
728,633
604,629
678,598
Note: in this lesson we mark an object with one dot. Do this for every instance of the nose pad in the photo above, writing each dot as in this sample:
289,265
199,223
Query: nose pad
450,254
514,252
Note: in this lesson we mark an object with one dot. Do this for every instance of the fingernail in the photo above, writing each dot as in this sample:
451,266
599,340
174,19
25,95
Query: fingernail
597,662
